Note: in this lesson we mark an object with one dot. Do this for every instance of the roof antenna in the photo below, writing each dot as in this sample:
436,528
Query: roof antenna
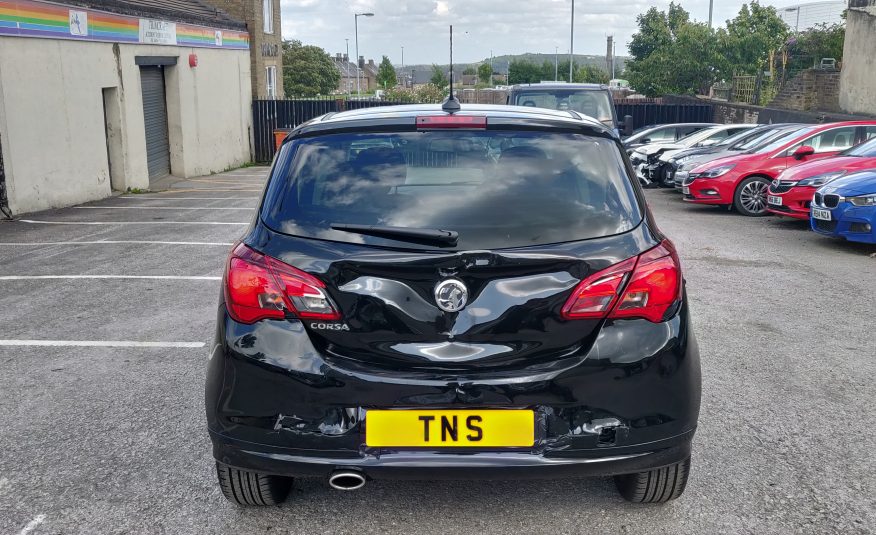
450,104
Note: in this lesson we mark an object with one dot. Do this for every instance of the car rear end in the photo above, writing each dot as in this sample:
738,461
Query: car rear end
592,100
477,295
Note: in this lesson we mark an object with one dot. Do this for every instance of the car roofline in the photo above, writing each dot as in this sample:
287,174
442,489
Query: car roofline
560,85
405,116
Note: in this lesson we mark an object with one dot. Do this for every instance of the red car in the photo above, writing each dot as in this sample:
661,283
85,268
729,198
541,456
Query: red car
791,193
742,181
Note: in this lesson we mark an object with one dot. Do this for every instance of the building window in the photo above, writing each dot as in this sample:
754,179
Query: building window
271,82
268,15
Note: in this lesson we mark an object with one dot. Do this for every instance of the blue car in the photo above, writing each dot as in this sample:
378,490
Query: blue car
846,208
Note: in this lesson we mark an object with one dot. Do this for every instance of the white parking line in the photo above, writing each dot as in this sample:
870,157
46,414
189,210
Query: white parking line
39,519
138,277
250,208
39,222
98,343
165,198
116,242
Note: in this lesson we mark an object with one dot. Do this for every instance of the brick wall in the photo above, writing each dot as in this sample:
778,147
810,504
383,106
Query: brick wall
811,90
266,50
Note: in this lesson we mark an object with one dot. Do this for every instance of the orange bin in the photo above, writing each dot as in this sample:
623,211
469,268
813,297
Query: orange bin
279,136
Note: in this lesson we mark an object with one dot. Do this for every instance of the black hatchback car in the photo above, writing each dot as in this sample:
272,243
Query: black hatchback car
432,295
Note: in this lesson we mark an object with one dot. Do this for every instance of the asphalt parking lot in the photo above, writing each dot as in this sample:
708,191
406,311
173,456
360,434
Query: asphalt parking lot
106,311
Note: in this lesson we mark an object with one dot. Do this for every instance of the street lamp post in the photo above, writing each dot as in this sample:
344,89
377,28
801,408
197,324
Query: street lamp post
572,43
358,86
347,67
556,62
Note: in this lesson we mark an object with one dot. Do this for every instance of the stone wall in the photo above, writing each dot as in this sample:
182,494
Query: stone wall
858,82
811,90
734,112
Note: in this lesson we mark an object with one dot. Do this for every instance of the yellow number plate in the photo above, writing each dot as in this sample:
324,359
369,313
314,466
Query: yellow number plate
450,428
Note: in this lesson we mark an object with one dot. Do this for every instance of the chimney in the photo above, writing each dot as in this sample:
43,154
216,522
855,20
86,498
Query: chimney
338,56
346,57
361,62
371,62
609,56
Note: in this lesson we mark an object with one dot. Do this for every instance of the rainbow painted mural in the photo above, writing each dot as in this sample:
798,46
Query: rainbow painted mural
29,18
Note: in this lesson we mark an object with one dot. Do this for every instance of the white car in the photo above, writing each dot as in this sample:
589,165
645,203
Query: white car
647,159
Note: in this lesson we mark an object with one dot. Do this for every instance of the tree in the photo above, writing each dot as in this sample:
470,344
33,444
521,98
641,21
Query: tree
750,38
524,72
469,70
672,54
386,76
590,74
438,79
821,41
485,73
308,70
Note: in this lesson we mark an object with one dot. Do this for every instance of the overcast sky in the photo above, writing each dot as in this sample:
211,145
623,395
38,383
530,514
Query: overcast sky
503,26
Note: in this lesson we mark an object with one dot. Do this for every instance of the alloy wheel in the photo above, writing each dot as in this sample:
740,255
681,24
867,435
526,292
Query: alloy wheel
753,196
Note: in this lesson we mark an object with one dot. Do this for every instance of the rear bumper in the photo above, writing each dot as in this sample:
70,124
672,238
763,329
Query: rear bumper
276,405
444,465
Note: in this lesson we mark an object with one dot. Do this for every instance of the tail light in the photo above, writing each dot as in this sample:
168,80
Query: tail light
645,286
260,287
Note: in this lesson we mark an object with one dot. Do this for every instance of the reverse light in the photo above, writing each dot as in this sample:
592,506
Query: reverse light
596,295
260,287
430,122
820,180
645,286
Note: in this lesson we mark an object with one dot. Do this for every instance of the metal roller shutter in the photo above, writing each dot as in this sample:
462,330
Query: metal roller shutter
155,118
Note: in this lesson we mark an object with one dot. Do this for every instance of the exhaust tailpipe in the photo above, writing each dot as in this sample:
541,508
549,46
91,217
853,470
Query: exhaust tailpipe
346,480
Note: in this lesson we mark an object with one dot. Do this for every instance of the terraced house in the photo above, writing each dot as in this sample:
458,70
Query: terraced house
101,95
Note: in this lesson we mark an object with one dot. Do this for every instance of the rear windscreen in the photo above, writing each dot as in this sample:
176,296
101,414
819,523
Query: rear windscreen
497,189
592,103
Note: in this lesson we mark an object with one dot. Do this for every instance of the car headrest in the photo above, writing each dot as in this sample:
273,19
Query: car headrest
522,153
381,164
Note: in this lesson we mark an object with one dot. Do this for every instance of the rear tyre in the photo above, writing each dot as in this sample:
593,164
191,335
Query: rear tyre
750,198
245,488
654,486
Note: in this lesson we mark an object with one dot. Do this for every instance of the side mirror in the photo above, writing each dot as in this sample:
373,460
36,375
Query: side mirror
645,140
708,143
803,151
627,125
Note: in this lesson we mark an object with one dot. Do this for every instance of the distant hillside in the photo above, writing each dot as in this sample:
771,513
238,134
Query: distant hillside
500,63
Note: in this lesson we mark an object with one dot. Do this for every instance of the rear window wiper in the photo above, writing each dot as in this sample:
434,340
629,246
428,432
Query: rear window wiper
424,236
